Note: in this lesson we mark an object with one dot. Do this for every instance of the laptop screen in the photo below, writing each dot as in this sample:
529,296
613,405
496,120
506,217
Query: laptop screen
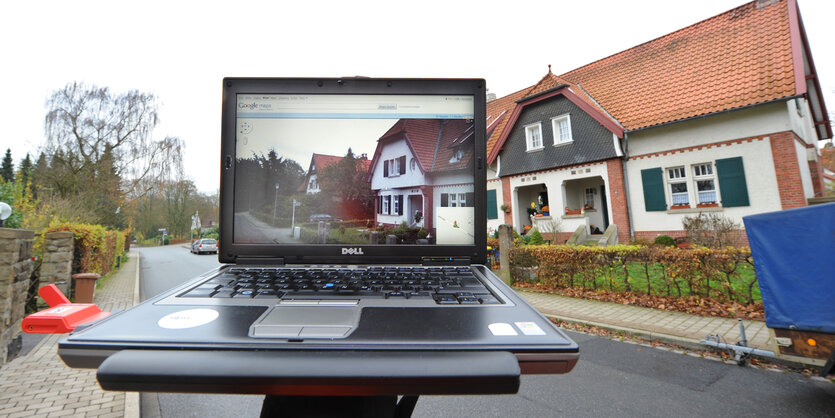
366,169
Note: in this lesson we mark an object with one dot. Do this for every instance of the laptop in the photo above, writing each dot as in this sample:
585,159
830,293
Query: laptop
352,219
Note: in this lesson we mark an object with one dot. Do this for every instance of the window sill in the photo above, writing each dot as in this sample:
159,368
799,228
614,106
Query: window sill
535,149
696,210
560,144
580,216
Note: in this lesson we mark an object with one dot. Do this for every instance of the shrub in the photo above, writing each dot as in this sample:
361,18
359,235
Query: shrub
536,238
712,230
96,247
665,241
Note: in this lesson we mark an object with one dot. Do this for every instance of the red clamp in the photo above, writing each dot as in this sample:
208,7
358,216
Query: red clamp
62,316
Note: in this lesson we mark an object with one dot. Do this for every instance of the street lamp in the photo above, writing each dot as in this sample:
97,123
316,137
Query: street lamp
275,203
5,212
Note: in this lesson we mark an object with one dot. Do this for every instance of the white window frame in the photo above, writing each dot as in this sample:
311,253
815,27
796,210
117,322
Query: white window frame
589,192
678,175
555,126
453,200
394,205
529,138
394,167
386,200
705,172
462,200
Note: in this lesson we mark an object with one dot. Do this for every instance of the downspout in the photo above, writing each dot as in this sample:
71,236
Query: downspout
626,185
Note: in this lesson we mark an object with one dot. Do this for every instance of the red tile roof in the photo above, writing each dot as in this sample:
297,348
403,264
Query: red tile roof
432,141
739,58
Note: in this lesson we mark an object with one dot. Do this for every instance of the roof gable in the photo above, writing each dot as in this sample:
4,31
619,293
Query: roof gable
749,55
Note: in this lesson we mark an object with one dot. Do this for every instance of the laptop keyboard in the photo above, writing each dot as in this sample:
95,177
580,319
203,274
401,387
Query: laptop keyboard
444,285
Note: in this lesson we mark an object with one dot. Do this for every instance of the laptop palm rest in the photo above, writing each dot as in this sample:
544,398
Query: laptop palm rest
304,322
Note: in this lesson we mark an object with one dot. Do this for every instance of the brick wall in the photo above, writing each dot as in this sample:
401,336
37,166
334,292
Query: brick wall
738,238
508,200
816,169
617,198
789,182
15,272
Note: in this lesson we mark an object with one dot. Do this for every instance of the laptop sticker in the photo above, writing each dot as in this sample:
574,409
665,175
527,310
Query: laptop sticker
529,328
502,329
188,319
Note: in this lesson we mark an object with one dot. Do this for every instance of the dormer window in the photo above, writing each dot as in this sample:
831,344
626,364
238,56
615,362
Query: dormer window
533,135
562,129
457,155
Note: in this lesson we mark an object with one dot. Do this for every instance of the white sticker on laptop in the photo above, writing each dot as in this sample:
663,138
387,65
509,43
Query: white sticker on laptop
188,319
529,328
502,329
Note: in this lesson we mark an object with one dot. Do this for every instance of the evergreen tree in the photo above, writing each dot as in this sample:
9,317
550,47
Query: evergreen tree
25,170
7,169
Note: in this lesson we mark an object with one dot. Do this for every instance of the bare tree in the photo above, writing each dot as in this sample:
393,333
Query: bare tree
90,124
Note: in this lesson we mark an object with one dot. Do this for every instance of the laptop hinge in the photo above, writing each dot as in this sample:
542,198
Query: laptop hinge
446,261
279,261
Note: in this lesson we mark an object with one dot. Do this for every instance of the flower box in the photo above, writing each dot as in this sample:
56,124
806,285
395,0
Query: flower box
707,205
680,207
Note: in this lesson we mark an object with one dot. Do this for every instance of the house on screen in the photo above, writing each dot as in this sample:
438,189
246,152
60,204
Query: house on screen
722,116
419,165
319,162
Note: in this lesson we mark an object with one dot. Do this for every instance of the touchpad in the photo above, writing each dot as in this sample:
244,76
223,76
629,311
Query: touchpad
306,322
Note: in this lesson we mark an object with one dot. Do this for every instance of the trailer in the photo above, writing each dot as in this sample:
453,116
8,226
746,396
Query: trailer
794,258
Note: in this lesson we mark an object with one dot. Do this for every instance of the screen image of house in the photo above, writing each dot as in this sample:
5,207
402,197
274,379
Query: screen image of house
419,167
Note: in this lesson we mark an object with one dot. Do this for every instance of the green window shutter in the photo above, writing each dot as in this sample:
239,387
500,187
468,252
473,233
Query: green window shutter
492,210
653,181
732,187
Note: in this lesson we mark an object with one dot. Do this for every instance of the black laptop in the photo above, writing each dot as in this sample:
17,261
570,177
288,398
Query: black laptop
353,220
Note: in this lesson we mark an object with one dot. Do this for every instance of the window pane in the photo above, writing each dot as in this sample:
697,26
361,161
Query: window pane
707,191
679,193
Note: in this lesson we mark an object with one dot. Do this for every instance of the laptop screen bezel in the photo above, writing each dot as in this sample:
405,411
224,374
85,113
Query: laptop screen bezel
231,252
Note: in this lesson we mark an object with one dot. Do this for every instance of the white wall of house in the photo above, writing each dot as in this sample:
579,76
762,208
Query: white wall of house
805,172
493,224
412,177
458,189
800,120
312,185
392,218
760,176
760,120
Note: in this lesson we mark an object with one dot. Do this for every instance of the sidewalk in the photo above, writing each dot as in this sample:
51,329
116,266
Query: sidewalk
39,384
651,324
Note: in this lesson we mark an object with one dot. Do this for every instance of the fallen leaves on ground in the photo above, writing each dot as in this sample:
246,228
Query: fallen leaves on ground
693,305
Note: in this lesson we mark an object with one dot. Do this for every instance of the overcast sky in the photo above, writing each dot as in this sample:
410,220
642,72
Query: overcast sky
180,51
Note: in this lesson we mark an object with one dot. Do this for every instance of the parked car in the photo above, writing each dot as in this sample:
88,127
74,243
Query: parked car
320,217
205,245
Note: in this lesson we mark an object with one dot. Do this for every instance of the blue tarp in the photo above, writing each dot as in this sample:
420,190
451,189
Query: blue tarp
794,257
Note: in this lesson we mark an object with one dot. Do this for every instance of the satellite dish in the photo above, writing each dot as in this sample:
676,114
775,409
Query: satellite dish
5,211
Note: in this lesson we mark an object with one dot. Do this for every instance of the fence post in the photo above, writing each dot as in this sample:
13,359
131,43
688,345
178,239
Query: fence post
56,264
505,246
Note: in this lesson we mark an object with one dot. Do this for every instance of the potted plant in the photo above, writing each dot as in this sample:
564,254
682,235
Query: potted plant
505,208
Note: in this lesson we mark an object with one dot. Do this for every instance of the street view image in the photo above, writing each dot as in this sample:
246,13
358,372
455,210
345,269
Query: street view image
406,181
657,180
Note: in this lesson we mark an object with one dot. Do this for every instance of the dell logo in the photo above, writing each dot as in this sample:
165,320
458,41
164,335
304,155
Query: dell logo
352,251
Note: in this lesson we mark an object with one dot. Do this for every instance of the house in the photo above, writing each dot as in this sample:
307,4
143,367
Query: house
319,162
419,165
722,116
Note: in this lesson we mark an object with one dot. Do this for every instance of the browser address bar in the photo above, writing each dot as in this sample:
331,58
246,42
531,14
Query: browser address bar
375,107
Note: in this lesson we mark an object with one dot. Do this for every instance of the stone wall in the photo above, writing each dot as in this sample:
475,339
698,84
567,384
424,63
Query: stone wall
15,271
56,264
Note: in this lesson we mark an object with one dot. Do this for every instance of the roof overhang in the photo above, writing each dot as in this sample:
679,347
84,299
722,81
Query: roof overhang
805,75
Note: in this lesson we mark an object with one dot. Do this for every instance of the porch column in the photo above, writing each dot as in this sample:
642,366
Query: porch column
428,209
507,200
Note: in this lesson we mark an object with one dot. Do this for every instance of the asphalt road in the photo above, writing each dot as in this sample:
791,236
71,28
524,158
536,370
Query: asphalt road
612,378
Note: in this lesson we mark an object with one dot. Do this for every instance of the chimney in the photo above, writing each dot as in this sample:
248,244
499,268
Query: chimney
363,156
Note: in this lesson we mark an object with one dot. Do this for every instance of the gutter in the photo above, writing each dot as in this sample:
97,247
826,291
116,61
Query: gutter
626,185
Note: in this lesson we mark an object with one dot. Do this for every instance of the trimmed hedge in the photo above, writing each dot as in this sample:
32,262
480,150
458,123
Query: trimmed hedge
96,247
723,274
